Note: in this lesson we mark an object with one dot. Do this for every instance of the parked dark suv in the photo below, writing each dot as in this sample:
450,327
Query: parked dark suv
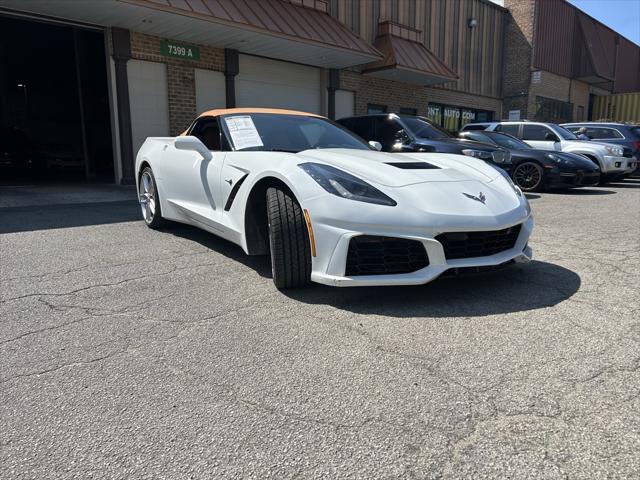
617,133
406,133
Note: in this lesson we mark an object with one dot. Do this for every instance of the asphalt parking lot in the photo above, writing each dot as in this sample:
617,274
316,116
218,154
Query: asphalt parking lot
130,353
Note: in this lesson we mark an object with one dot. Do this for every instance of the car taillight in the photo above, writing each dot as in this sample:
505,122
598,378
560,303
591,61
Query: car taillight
636,145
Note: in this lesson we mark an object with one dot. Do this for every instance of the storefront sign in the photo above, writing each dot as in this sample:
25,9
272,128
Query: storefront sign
514,114
453,118
173,49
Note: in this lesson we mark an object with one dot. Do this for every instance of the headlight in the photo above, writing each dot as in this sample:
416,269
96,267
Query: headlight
345,185
515,188
614,150
477,153
557,158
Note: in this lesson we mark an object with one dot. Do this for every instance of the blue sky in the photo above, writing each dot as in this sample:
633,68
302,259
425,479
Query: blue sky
621,15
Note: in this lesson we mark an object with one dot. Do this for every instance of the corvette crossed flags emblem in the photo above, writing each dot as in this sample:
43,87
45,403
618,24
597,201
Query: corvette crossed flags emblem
480,198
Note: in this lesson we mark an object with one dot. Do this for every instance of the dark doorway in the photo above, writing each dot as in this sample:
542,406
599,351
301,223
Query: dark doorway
54,104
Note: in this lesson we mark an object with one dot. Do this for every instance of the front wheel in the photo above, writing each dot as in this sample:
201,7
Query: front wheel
149,199
528,176
288,240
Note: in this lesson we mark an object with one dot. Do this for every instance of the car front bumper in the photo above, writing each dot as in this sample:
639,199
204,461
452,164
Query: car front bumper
557,178
616,165
333,246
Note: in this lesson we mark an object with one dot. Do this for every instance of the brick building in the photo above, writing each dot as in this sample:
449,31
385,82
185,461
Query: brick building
146,67
559,59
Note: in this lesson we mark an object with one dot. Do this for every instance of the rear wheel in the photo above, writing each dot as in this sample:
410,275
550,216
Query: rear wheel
528,176
149,199
288,239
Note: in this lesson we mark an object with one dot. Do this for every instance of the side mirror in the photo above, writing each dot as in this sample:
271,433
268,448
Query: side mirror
194,144
376,145
551,137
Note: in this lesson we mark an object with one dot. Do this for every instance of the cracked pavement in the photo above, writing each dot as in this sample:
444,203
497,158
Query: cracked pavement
130,353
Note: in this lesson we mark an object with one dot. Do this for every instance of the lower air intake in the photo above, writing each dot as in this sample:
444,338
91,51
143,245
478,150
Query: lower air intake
373,255
478,244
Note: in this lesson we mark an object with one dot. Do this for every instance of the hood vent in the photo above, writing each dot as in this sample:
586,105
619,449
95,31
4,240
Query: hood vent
413,165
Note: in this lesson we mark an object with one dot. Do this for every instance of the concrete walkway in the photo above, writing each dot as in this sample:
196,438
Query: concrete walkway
34,195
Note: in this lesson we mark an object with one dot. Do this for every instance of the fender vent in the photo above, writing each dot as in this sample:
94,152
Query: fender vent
413,165
372,255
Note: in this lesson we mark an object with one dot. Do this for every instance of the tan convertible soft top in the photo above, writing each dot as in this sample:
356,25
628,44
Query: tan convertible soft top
230,111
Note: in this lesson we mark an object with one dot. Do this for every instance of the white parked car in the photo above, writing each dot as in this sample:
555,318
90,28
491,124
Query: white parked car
548,136
326,205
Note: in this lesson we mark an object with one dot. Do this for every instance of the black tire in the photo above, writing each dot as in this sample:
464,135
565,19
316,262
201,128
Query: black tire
288,240
154,220
529,176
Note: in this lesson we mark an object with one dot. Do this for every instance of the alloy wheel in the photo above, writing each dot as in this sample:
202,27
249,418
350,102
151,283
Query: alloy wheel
147,197
528,176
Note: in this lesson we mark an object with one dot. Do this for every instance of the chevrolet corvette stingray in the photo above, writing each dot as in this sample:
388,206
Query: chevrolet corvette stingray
326,205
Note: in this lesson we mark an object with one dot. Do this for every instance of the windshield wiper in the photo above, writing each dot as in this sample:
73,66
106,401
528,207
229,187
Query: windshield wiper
280,150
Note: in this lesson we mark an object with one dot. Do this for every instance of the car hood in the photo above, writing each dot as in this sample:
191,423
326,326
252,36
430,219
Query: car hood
402,169
587,144
458,142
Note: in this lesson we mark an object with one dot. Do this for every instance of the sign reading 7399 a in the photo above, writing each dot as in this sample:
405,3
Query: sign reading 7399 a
173,49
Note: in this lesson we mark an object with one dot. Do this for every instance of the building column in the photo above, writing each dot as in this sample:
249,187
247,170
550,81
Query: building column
334,84
121,55
231,69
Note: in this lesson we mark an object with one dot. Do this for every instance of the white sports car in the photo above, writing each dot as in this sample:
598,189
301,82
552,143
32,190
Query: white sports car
328,206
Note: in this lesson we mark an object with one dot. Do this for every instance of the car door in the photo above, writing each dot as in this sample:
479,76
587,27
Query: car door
193,182
540,136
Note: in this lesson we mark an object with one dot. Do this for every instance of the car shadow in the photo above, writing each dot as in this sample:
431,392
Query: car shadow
626,184
581,191
518,288
514,289
260,263
532,196
44,217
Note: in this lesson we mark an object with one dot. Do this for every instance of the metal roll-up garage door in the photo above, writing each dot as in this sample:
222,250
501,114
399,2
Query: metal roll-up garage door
262,82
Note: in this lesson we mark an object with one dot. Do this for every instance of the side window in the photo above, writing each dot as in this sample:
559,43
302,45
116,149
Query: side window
511,129
386,130
208,131
478,137
603,133
535,132
373,108
359,126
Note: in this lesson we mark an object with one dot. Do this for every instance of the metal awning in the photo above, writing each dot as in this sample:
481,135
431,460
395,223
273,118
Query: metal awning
270,28
593,63
406,59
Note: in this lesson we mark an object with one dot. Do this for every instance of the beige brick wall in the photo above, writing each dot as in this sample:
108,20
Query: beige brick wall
559,88
396,95
181,87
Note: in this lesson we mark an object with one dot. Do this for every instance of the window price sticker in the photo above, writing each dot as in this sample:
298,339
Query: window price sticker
243,132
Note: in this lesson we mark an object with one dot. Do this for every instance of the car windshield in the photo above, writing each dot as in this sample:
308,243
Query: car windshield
564,133
267,132
422,129
507,141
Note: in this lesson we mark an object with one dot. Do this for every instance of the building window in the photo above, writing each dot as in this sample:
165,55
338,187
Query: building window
453,118
373,108
554,111
408,111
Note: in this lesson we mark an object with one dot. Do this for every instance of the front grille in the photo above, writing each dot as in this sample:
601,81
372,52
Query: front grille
372,255
627,152
478,244
462,271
